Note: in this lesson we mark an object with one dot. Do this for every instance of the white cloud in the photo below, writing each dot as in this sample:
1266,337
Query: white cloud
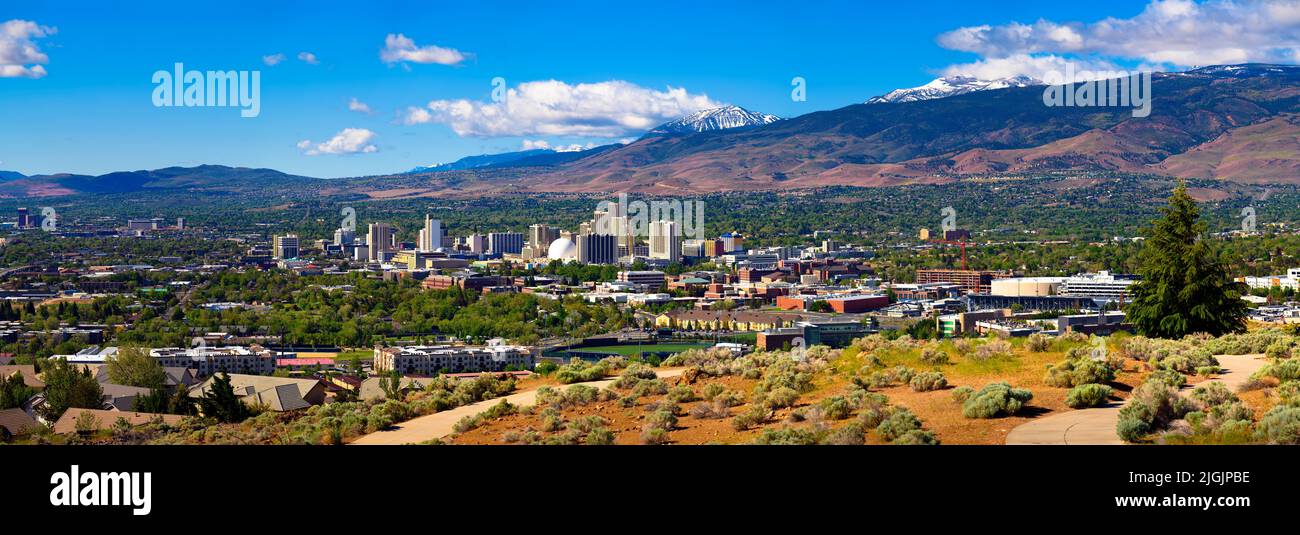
1037,67
358,106
347,141
530,144
308,58
273,59
1180,33
400,48
553,108
19,55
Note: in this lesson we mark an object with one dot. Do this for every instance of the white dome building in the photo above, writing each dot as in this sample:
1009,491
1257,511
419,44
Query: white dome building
562,249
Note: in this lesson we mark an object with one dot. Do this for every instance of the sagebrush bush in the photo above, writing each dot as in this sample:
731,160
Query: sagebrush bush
1038,342
781,397
853,434
836,408
1280,425
1167,376
898,423
710,410
753,417
681,394
929,381
962,393
1078,369
917,437
995,400
992,349
1088,395
934,357
1151,407
1285,370
789,436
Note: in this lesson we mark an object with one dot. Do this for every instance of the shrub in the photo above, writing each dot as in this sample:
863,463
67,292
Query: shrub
962,393
1089,395
1038,342
872,416
710,410
1167,376
781,397
1279,350
681,394
853,434
963,346
587,424
788,436
1285,370
992,350
1289,393
1206,371
1151,407
929,381
654,435
599,437
1210,394
836,408
934,357
751,418
994,400
634,374
711,391
577,371
1078,369
897,424
917,437
1280,425
902,374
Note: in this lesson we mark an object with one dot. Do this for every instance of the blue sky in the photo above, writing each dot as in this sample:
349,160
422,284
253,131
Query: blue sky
77,93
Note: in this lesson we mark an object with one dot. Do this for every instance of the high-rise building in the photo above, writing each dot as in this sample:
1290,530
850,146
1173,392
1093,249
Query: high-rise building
732,242
665,241
180,223
379,240
430,235
542,236
345,237
24,220
477,243
597,248
500,243
286,247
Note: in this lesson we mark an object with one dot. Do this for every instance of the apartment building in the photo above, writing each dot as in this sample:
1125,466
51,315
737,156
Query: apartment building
252,360
432,360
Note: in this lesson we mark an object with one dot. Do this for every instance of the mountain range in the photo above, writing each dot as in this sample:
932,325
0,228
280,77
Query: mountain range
951,86
724,118
1237,123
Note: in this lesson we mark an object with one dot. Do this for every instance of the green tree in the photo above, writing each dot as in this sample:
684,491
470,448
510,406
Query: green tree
220,401
1185,287
68,386
14,391
132,366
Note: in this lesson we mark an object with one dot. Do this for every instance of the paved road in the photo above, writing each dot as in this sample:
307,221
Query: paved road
440,424
1097,426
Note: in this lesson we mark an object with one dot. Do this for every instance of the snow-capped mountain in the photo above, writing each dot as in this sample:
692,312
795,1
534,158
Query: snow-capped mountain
722,118
951,86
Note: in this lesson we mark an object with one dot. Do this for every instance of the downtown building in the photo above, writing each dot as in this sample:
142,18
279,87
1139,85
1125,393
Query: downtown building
433,360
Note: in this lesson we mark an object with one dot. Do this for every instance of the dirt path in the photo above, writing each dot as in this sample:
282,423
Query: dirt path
1097,426
440,424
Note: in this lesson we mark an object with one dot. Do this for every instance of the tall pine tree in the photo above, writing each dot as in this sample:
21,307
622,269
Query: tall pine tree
1185,287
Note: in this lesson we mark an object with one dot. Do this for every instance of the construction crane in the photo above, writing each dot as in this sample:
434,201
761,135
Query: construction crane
962,244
